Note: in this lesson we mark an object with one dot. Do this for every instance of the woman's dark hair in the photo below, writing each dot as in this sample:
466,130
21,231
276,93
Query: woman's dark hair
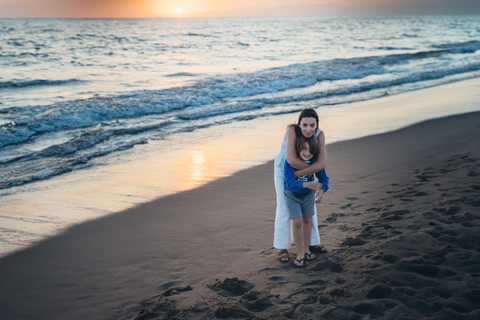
313,145
306,113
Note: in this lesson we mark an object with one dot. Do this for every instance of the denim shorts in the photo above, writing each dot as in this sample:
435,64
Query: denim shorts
300,204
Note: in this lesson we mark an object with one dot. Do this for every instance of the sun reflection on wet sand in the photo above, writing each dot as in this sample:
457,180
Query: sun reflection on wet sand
197,168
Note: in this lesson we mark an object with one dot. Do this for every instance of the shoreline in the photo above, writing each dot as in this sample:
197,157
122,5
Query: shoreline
400,221
119,181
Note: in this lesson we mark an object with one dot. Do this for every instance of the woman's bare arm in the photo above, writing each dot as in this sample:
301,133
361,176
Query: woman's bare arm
290,152
321,162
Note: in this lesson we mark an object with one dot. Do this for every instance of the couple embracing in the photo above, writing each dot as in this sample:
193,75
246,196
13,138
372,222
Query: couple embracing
302,155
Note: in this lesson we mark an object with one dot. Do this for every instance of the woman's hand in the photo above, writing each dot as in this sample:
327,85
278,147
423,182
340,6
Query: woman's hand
314,185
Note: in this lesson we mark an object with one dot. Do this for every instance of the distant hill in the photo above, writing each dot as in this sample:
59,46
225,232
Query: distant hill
436,7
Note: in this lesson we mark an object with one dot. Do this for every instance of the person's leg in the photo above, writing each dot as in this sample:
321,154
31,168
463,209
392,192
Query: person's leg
314,235
315,243
297,226
283,231
308,213
307,230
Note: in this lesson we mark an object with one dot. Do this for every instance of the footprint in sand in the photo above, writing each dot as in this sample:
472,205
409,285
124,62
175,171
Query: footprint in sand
340,293
473,296
473,174
442,292
333,217
353,242
430,215
424,269
420,194
232,286
317,282
232,311
255,302
275,278
474,202
328,264
394,215
452,210
380,291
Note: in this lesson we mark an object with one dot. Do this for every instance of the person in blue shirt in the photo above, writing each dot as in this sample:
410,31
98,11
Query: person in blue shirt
301,197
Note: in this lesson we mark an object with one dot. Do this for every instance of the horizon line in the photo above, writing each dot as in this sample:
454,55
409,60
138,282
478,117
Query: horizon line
259,17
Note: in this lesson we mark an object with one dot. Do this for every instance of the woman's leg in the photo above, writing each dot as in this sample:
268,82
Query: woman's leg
283,231
314,235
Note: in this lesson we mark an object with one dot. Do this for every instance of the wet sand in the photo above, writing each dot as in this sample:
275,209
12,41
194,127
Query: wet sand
188,160
401,222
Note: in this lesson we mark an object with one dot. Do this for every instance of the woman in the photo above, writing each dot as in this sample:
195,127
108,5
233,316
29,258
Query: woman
307,126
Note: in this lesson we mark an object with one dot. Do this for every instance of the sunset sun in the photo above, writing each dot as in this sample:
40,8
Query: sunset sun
178,10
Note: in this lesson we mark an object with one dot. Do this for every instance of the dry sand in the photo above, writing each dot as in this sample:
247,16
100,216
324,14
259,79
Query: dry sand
401,221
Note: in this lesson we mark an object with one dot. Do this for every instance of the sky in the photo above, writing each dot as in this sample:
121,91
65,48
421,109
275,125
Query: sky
226,8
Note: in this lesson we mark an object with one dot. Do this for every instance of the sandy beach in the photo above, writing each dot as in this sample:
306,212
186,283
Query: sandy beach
401,222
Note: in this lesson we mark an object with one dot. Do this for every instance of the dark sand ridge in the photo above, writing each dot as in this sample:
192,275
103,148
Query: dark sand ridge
401,220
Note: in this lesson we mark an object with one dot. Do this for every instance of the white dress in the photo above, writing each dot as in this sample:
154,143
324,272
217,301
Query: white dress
283,237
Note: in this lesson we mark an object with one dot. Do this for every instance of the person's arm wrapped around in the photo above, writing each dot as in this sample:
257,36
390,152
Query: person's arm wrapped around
297,186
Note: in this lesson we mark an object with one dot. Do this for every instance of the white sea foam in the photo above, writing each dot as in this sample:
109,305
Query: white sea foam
130,81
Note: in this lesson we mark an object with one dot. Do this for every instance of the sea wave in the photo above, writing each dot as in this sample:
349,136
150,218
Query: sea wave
43,141
16,83
193,34
223,90
459,47
23,55
182,74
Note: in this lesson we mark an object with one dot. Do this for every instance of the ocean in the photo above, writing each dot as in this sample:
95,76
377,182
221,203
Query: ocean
83,96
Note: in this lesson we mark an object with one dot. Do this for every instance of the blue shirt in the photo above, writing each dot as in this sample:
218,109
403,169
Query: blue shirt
296,185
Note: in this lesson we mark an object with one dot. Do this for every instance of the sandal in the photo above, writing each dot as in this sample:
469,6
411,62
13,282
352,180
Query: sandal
302,265
318,249
283,256
308,256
